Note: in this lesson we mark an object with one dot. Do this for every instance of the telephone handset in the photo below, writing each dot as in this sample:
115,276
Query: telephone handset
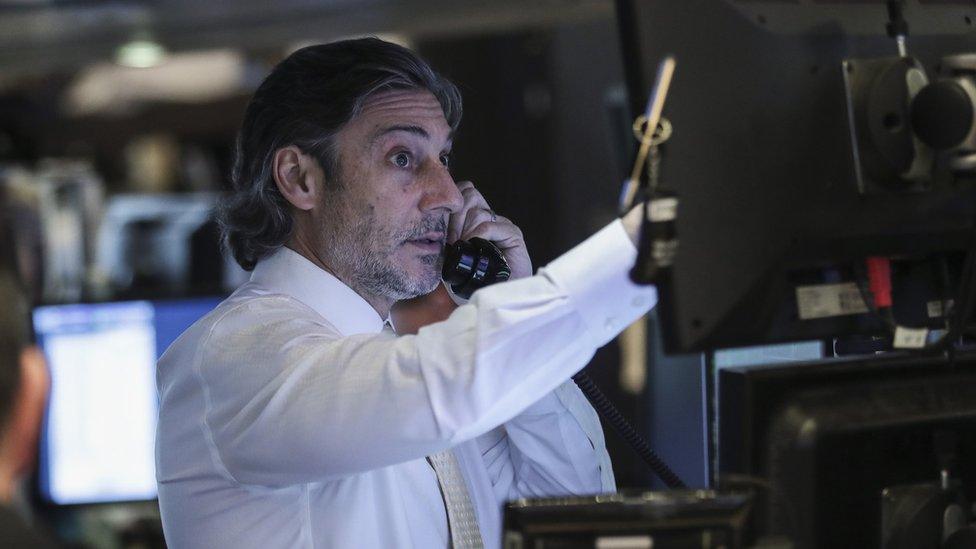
473,264
476,263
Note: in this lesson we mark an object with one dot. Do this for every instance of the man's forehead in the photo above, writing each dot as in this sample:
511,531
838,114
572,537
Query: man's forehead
404,107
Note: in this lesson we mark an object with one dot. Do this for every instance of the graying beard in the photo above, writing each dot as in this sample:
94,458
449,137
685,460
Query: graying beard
382,279
372,275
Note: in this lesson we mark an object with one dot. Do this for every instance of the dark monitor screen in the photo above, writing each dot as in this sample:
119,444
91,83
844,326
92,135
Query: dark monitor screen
851,453
98,438
762,159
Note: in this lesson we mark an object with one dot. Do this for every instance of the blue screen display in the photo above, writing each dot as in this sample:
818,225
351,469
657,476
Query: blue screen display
100,426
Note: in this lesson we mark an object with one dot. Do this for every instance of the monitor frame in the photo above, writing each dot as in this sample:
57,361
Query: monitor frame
761,160
777,424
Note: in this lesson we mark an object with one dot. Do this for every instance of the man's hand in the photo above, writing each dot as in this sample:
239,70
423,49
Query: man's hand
410,315
476,219
632,222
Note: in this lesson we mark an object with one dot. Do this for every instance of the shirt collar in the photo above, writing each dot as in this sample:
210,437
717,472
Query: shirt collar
290,273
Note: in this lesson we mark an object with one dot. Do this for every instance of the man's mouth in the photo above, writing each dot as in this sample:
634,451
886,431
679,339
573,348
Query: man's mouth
430,242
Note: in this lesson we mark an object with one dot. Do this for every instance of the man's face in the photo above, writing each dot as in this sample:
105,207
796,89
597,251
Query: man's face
383,230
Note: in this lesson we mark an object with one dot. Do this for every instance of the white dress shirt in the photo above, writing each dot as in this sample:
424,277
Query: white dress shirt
290,418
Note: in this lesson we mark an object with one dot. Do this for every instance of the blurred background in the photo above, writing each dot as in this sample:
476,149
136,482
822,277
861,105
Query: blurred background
117,122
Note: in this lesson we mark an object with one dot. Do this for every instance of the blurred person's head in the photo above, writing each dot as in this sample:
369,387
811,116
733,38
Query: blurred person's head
343,156
23,382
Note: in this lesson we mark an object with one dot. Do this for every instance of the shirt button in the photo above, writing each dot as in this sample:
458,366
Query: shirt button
639,302
609,324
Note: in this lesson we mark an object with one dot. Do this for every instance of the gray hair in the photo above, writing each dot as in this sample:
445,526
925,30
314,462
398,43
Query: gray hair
304,102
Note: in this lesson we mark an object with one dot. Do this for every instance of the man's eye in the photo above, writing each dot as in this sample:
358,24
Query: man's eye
446,160
401,160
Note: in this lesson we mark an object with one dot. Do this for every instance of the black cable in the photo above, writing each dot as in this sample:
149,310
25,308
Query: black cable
946,280
965,299
897,26
966,296
962,309
626,430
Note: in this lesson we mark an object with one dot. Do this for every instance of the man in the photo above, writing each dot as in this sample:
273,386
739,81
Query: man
23,395
291,418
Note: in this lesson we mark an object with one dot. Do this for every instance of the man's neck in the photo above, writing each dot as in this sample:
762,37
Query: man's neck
380,304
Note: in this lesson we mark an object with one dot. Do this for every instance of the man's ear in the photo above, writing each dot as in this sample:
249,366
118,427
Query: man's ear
299,177
20,440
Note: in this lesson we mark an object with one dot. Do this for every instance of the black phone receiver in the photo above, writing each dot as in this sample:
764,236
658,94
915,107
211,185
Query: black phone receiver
473,264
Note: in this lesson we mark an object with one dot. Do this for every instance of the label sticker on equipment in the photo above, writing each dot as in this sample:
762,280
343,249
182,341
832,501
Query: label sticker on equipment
935,308
662,209
910,338
624,542
827,300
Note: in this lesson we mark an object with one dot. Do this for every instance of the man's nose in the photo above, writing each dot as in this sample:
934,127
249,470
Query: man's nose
442,192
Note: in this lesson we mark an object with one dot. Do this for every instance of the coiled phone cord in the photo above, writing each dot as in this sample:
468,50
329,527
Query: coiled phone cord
623,428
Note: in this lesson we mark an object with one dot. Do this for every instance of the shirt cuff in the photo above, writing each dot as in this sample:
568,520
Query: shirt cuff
596,276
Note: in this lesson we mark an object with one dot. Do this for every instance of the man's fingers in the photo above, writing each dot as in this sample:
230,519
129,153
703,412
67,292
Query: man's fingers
509,239
456,220
474,202
454,224
473,199
474,218
474,207
502,232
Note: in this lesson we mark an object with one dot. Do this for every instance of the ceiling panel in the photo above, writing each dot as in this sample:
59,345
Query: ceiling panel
38,37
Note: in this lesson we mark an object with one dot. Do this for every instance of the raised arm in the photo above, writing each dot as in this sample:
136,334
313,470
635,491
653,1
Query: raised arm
289,401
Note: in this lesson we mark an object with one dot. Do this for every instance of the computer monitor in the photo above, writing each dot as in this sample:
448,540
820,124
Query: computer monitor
776,192
851,452
98,436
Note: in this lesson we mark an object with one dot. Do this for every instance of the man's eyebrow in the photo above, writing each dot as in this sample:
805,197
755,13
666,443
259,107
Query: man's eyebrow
416,130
